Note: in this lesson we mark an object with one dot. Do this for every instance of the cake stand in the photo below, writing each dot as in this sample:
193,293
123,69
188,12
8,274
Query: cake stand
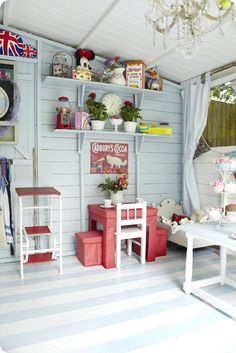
116,121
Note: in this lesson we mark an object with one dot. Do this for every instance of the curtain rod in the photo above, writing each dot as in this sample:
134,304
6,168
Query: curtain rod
223,67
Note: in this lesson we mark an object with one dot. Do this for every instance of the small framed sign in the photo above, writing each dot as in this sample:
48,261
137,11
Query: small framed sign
7,70
108,158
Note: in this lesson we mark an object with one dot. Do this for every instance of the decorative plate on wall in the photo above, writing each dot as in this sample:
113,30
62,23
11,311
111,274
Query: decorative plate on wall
4,103
6,99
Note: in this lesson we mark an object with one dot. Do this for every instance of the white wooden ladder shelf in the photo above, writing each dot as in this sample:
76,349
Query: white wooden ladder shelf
26,232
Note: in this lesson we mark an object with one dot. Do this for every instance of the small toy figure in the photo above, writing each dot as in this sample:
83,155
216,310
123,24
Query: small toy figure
83,56
82,71
155,82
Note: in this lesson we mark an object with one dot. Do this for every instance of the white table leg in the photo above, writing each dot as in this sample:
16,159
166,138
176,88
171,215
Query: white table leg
223,258
189,264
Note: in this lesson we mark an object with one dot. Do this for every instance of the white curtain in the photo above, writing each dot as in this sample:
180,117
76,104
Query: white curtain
195,95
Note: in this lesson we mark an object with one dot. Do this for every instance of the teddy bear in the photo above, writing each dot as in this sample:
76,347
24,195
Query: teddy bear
199,216
154,82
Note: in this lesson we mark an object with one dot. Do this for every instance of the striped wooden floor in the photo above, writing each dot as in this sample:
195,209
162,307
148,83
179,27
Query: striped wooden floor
137,309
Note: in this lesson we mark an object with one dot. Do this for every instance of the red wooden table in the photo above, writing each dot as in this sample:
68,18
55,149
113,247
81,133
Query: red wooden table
107,217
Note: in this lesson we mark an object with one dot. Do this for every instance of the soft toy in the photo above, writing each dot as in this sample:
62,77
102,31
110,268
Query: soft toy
185,220
178,217
154,82
199,216
174,227
83,56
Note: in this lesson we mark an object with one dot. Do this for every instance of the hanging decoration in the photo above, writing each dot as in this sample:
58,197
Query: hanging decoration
11,44
29,51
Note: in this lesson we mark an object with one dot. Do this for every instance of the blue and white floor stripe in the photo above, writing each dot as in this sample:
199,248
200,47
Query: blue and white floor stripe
137,309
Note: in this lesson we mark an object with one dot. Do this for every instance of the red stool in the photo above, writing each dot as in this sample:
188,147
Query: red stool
160,244
89,247
161,239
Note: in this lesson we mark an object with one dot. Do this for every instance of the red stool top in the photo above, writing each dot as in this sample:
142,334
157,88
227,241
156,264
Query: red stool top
89,237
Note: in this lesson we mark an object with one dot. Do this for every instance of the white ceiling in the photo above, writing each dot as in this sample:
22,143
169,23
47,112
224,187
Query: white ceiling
116,28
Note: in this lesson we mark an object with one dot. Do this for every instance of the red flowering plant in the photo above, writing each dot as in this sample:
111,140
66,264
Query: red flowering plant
129,112
97,110
118,184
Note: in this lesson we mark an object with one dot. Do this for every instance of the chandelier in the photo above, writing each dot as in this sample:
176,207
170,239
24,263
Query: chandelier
187,21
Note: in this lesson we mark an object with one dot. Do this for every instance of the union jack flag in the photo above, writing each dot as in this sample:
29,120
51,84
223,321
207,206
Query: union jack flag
10,43
29,51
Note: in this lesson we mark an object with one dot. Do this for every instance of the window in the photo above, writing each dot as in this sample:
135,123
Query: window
220,129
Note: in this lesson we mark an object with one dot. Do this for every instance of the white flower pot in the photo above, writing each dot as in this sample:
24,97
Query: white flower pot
97,124
130,126
116,197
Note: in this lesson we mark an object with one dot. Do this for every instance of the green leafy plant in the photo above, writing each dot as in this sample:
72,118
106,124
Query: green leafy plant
118,184
224,93
129,112
97,110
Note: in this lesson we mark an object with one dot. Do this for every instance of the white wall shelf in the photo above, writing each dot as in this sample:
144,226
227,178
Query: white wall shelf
138,93
139,138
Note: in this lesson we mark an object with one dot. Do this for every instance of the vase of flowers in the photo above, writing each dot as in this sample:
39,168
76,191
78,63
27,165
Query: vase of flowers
97,112
115,70
116,187
130,114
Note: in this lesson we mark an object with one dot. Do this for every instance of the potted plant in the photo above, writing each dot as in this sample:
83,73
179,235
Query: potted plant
115,187
130,115
97,112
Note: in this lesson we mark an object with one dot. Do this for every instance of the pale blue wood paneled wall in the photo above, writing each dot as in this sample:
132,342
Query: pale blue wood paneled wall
21,153
60,165
160,160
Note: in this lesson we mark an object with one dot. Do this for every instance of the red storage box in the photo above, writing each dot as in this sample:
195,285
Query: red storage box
89,247
160,244
161,239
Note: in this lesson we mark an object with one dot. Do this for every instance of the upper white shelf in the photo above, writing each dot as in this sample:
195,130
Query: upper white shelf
108,87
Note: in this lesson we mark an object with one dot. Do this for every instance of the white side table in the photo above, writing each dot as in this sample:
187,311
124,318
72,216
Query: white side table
217,236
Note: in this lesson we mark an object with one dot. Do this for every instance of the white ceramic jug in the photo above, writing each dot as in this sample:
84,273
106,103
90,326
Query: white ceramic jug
118,77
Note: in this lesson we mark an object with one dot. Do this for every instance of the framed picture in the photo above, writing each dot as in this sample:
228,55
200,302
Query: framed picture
7,70
108,158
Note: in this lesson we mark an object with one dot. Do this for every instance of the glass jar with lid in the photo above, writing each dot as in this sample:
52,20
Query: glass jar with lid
64,110
62,63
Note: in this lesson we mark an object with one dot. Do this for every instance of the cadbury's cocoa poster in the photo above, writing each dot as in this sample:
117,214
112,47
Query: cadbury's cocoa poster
108,158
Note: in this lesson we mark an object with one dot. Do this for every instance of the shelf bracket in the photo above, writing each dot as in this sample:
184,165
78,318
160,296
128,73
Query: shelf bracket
81,90
81,136
139,140
138,99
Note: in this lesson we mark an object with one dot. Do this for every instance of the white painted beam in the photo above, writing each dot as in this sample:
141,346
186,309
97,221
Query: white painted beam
90,33
6,11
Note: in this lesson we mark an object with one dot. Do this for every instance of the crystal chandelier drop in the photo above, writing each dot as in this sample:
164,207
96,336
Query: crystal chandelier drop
187,21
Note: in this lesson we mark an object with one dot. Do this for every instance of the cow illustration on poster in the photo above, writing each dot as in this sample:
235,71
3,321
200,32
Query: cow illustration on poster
108,158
